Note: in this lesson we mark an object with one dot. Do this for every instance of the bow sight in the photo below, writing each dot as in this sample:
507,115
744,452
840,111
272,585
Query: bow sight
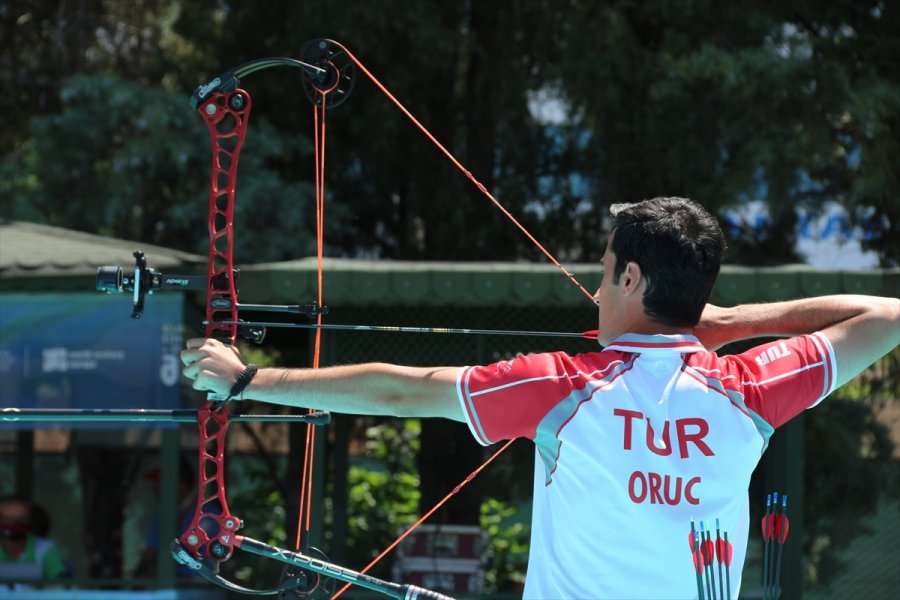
146,280
111,279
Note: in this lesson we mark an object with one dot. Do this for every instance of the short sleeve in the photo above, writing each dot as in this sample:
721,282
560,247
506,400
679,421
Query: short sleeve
508,399
781,379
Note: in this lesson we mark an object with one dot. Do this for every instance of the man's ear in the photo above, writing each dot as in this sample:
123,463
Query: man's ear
631,278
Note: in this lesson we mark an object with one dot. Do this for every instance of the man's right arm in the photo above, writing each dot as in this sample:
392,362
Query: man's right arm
861,329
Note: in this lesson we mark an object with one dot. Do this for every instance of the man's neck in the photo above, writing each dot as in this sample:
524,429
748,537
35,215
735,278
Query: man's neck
644,325
653,328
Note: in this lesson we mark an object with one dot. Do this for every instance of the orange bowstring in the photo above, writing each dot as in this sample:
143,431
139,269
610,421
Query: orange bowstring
304,511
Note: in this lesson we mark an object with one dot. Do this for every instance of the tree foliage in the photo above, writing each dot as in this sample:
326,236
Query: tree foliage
783,102
851,467
559,108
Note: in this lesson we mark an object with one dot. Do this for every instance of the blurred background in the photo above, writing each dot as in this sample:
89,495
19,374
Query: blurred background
782,118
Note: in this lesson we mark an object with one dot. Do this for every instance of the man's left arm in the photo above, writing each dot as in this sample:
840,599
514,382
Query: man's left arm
365,389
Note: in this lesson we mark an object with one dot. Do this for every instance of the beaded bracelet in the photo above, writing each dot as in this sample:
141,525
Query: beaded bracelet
243,381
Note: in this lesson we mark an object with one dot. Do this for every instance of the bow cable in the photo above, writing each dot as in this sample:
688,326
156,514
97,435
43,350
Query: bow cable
424,517
467,173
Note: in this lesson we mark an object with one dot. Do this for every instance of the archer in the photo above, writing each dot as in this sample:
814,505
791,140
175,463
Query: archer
616,430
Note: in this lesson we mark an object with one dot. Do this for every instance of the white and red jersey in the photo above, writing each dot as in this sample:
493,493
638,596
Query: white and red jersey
635,441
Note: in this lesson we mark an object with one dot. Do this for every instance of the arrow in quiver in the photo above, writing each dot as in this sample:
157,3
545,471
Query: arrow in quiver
775,529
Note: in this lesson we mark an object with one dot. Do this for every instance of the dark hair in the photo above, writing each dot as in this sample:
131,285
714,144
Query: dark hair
678,246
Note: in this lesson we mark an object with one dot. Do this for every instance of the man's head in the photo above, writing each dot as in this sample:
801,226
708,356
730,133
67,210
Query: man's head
15,518
677,248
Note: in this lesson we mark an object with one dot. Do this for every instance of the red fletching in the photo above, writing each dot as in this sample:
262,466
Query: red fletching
768,527
695,545
784,526
724,552
699,565
591,335
709,551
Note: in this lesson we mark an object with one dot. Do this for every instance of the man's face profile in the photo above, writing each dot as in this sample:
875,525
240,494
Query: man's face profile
14,520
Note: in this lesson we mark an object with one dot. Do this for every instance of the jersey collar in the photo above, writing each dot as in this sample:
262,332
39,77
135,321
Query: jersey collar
656,344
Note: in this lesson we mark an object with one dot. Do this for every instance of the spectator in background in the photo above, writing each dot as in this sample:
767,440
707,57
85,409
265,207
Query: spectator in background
25,556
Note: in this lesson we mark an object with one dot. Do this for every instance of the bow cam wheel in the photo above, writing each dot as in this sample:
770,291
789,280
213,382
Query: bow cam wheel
309,584
337,78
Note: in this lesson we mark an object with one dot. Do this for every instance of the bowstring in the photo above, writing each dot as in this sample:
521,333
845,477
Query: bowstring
304,510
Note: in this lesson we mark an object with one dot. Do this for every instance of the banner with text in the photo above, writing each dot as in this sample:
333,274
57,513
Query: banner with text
82,350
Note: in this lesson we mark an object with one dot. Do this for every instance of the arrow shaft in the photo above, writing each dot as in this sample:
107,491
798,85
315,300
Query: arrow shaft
398,329
727,567
698,557
110,415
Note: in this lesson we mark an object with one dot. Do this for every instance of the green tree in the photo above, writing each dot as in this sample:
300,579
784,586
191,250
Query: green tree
560,108
851,466
788,103
133,165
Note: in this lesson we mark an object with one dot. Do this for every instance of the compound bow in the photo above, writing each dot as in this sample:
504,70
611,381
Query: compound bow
211,537
328,76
